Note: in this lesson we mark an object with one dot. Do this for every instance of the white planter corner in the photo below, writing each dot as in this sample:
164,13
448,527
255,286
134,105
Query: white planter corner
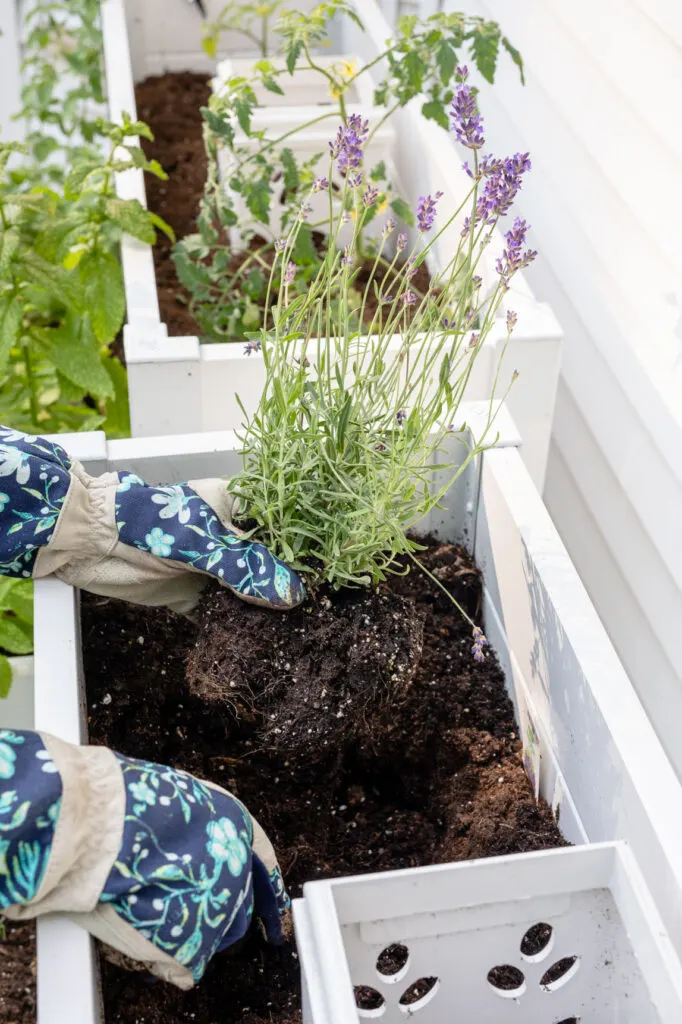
593,752
457,922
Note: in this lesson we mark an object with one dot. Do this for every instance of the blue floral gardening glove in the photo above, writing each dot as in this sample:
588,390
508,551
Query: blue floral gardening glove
163,868
114,535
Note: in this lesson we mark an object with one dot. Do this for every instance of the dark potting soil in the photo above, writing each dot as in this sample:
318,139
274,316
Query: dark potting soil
425,767
170,104
18,973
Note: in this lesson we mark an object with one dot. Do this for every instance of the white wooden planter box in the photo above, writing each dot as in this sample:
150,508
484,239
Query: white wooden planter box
173,382
590,748
457,922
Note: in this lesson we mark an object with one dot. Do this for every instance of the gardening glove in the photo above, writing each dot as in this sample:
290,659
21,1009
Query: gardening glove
161,867
113,535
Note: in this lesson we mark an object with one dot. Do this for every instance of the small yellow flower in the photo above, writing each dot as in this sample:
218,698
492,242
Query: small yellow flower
345,69
383,205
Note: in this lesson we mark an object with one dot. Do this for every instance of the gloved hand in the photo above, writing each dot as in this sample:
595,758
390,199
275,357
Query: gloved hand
113,535
158,865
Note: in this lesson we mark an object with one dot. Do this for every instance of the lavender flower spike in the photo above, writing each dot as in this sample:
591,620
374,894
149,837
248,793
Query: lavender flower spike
426,211
401,242
290,273
388,228
347,146
370,196
467,123
320,185
280,244
514,257
252,346
479,643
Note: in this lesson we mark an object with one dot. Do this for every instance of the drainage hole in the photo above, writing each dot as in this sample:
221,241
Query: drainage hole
560,973
392,962
369,1002
507,981
419,994
536,941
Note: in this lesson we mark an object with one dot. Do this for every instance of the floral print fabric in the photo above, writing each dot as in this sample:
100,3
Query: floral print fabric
173,522
184,877
30,800
34,481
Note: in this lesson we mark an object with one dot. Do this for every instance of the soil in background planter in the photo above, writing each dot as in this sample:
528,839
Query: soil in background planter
435,776
170,105
18,973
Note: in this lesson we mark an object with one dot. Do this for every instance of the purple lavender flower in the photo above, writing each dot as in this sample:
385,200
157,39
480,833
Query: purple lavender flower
251,346
387,301
290,273
514,257
467,123
504,179
280,244
401,242
461,73
388,228
348,258
512,318
426,211
347,146
320,185
479,643
355,180
305,209
410,269
474,340
476,281
409,298
370,195
401,416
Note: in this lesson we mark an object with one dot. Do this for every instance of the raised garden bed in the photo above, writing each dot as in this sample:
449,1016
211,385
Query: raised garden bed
173,381
589,748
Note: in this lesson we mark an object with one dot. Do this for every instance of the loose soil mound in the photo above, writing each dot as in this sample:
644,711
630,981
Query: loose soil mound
441,779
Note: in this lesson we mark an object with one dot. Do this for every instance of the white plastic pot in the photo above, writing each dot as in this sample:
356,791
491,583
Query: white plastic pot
455,923
589,746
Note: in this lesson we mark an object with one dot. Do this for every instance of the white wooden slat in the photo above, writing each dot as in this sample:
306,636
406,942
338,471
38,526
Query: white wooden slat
644,359
618,37
625,619
666,15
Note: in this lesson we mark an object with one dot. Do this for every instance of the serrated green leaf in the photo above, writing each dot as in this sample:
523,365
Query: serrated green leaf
446,58
162,225
515,56
11,313
9,244
102,279
258,200
402,209
5,677
117,422
15,638
75,179
131,217
243,108
272,85
435,111
485,44
63,286
291,176
219,125
293,52
76,352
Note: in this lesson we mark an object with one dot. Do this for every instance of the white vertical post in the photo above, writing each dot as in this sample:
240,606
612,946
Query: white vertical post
10,63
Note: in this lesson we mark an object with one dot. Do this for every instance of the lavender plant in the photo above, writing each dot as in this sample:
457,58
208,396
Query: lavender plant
339,457
227,292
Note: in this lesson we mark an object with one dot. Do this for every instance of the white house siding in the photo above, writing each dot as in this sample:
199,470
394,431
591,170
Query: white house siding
600,114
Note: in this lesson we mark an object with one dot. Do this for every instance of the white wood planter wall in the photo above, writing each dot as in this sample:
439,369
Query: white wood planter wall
180,385
590,747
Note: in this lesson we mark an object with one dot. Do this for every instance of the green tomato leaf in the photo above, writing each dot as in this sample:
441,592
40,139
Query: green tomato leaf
435,111
485,44
515,56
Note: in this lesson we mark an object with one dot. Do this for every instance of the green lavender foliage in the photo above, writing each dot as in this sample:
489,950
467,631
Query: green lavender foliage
419,61
339,458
